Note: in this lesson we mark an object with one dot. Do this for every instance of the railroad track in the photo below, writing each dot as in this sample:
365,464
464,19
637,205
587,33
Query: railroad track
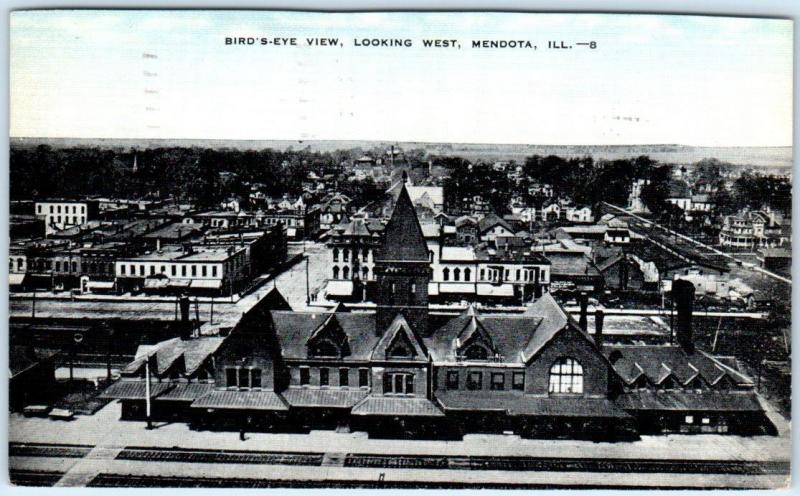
388,461
34,478
222,456
49,450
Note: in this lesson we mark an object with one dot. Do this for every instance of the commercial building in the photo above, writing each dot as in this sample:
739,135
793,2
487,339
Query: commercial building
62,214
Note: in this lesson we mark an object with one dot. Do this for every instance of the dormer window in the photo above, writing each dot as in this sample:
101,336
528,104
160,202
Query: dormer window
476,352
324,348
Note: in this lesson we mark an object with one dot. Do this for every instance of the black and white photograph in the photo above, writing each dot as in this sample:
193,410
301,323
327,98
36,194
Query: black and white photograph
399,250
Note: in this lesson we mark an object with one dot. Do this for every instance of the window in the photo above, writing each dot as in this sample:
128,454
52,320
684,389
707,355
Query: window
230,377
255,378
244,378
183,270
467,275
335,272
689,419
483,274
705,420
475,381
336,254
133,270
51,209
346,272
163,269
122,270
59,209
518,381
38,208
566,376
446,274
344,377
363,377
476,352
213,271
452,379
324,376
518,275
58,266
305,376
346,255
152,270
141,270
173,270
457,274
498,381
203,270
194,270
398,383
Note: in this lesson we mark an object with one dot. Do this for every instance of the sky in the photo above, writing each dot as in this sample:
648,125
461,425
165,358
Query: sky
693,80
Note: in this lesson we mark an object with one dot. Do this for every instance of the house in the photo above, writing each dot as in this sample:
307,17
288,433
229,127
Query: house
581,215
402,372
491,226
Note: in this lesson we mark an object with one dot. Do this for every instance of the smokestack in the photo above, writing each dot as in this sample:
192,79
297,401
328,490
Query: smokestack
583,322
598,327
683,296
185,324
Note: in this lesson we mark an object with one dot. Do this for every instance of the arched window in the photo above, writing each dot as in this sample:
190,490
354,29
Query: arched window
10,265
325,348
335,272
430,254
446,274
476,352
345,254
566,376
467,275
346,272
457,274
365,273
336,254
19,264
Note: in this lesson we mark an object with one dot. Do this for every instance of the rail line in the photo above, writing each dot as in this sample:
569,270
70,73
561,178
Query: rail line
436,462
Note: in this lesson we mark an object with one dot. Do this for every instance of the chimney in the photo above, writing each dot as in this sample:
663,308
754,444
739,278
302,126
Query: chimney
185,325
598,327
583,322
683,296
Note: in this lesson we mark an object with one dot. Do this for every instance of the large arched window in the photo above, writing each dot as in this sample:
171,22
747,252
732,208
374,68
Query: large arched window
446,274
346,272
335,272
566,376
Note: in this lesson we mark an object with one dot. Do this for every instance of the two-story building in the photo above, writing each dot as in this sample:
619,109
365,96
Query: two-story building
59,214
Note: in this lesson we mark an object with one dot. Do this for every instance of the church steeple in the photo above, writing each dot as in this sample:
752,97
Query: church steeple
402,269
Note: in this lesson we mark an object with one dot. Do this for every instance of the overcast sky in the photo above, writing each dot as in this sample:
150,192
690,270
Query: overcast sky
651,79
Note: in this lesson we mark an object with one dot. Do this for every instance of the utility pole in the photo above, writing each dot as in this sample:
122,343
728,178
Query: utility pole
147,392
308,293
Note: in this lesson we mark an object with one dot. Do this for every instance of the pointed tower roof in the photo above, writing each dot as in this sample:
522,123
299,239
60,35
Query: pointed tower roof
403,239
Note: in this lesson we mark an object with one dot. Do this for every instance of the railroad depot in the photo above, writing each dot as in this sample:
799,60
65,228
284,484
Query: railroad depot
402,371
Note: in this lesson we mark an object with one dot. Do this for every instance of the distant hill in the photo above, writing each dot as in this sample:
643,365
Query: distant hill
772,157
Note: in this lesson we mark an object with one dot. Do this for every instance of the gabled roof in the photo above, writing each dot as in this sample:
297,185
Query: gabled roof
399,329
554,321
657,362
165,354
491,221
403,239
293,330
